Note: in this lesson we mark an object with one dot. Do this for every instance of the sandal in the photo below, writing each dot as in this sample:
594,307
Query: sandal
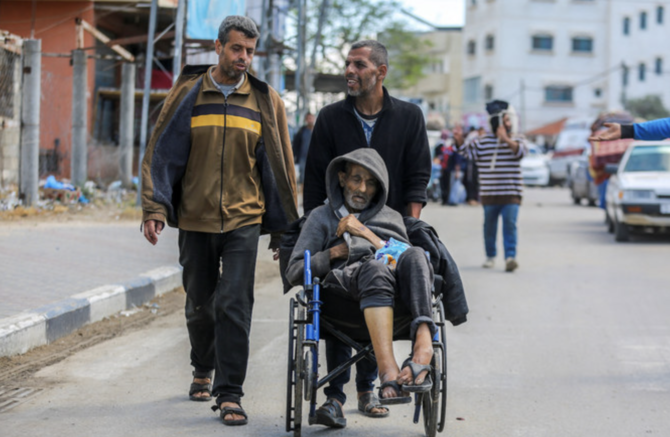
330,414
396,400
232,410
416,369
199,388
368,402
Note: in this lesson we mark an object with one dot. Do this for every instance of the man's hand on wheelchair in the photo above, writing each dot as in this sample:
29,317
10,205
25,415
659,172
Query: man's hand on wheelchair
341,251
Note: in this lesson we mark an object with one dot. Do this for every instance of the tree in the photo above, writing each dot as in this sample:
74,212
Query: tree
407,56
352,20
649,107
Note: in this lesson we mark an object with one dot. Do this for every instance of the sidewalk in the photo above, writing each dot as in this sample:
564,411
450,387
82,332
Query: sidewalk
57,277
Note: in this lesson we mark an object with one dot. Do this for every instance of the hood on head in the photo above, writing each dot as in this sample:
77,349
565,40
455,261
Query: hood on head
371,161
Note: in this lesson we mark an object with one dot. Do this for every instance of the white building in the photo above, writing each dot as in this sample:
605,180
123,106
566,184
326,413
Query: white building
564,58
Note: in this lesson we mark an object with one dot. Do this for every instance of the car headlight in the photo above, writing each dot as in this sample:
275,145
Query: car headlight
633,195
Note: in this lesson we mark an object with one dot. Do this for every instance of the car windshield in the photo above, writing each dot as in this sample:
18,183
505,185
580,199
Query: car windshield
649,158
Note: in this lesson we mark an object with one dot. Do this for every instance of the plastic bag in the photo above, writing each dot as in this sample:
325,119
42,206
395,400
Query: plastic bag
457,193
391,251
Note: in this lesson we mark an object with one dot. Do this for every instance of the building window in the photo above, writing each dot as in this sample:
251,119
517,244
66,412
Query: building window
472,90
643,20
472,47
582,44
624,76
562,94
641,72
659,15
489,43
488,92
597,92
659,66
626,26
543,42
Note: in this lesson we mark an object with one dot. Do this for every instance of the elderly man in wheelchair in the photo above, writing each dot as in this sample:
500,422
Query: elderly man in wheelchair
359,246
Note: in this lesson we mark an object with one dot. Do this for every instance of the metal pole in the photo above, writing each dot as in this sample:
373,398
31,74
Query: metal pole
126,123
300,61
30,121
263,46
147,90
178,40
323,13
523,106
79,163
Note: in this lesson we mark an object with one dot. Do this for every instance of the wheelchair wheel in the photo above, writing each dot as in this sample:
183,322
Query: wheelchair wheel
294,380
434,403
309,375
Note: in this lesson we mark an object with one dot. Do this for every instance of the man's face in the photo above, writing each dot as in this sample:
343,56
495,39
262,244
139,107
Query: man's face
309,120
361,73
235,57
359,187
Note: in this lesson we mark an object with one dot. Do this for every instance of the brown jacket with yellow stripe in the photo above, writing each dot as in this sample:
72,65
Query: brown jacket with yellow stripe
215,164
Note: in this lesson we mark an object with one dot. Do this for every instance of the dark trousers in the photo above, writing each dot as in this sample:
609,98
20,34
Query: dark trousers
445,186
413,280
219,282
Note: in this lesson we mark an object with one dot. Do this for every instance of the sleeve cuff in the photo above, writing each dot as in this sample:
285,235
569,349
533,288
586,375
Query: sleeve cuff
153,216
627,131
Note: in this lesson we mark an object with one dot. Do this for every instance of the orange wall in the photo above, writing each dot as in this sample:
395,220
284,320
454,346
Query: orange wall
55,26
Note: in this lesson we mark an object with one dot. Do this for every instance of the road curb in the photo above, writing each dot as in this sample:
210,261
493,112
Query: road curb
25,331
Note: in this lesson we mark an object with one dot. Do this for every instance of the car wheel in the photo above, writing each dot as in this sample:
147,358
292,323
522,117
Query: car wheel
592,202
609,222
577,200
620,231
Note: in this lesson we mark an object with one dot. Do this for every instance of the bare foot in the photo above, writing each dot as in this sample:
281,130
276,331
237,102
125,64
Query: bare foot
389,392
230,416
421,354
201,394
375,410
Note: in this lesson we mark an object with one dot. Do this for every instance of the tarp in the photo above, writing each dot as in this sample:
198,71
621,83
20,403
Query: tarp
205,16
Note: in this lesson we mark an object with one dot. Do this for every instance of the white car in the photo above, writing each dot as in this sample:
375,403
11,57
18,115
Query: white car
534,166
638,193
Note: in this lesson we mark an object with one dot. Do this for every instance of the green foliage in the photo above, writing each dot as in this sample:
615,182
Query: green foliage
648,107
407,55
353,20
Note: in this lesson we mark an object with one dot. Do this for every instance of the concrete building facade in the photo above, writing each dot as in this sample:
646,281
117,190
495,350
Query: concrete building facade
440,91
564,58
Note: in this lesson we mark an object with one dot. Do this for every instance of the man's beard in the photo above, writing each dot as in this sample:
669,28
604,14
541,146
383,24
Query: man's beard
363,91
354,204
233,73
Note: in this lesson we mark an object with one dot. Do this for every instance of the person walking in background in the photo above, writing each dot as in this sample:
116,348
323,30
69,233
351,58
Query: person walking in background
649,131
219,153
301,145
498,157
368,117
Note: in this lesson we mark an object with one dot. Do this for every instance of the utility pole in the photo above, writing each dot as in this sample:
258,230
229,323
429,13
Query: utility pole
79,162
300,61
126,123
148,63
311,72
30,121
178,40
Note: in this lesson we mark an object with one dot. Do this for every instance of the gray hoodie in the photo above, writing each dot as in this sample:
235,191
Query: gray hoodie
318,234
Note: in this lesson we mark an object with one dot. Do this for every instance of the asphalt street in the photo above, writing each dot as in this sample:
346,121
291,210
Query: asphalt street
575,343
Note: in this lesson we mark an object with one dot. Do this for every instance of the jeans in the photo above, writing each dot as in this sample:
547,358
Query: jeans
509,213
218,279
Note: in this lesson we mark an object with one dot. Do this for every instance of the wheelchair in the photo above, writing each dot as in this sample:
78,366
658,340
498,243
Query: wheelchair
314,315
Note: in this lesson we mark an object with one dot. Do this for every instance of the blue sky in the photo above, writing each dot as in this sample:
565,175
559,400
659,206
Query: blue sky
438,12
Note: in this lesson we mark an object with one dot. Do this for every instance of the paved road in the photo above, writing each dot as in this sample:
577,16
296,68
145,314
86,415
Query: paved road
47,262
575,343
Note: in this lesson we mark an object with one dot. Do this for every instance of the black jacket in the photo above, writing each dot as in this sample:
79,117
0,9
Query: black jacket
399,137
453,294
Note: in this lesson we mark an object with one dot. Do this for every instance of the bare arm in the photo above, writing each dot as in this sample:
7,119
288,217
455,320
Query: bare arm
414,209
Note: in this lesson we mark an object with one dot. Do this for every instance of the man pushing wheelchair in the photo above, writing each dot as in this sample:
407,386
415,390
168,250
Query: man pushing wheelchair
361,247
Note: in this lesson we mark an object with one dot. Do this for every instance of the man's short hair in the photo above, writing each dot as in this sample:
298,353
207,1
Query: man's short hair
378,53
240,23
